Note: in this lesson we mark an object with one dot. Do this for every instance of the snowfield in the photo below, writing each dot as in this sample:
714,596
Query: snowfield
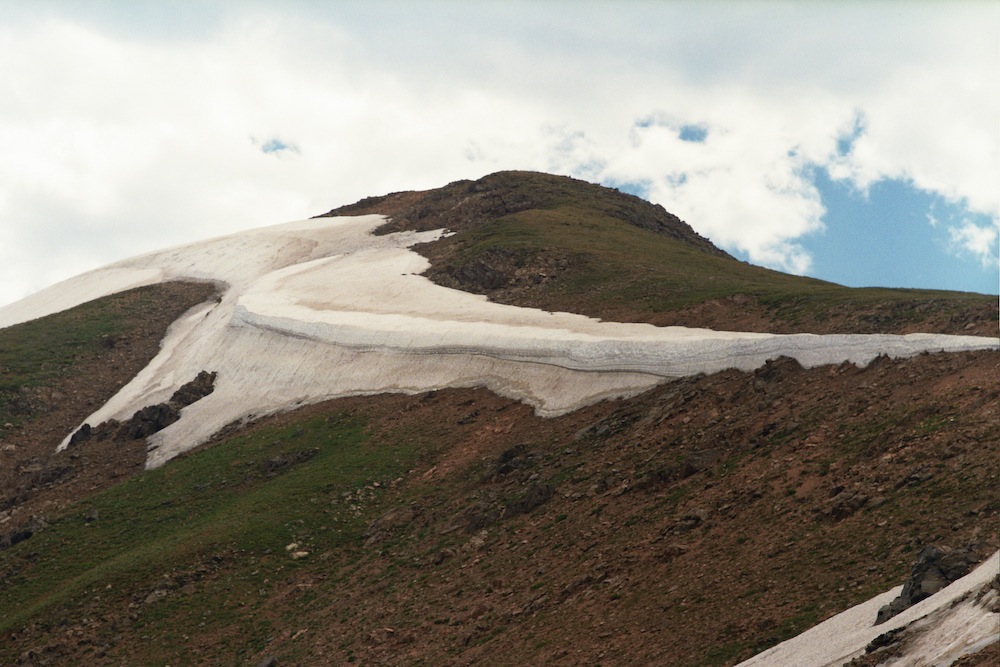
321,308
940,629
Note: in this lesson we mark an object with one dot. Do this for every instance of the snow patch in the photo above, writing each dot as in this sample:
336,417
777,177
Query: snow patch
321,308
951,623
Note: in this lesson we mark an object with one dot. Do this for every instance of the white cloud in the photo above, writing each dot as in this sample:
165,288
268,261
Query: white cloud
979,240
120,137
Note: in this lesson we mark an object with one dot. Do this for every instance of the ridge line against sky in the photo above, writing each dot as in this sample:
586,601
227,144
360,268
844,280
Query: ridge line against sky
854,142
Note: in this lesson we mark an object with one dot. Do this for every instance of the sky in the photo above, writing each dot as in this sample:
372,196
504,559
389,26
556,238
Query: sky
856,142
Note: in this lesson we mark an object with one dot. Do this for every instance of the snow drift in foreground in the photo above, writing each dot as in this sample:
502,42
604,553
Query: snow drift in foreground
322,308
955,621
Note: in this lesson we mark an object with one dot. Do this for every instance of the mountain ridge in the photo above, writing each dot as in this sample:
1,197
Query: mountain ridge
465,204
536,249
700,521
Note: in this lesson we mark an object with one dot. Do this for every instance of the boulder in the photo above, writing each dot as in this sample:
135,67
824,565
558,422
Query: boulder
935,568
150,419
201,386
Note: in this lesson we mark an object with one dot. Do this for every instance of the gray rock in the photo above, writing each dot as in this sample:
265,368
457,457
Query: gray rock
82,435
935,568
700,460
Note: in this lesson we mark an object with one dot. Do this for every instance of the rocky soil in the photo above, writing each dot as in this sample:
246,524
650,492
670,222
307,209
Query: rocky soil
696,524
35,480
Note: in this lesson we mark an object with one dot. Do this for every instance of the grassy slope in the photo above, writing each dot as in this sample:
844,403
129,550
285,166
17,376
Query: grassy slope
622,272
35,353
243,500
44,351
188,564
632,557
562,244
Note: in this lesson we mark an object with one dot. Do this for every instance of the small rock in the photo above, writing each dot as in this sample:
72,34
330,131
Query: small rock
700,460
535,496
82,435
469,418
671,551
156,595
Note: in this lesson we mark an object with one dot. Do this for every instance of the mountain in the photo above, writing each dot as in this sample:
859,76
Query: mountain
558,244
299,450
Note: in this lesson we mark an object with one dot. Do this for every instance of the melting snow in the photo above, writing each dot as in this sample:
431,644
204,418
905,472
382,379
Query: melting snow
951,623
321,308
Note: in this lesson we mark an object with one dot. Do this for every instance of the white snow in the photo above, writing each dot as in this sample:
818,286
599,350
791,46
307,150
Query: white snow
321,308
946,626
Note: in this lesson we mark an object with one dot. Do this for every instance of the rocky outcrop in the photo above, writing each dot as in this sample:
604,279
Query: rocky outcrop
152,418
935,568
34,525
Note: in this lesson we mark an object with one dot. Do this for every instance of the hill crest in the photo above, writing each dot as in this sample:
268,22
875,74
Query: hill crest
464,205
698,522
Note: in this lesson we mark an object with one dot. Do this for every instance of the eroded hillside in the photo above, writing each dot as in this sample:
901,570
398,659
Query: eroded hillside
695,524
699,523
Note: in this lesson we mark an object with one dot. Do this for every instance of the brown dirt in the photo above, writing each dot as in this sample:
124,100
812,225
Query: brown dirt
35,480
988,657
690,525
694,525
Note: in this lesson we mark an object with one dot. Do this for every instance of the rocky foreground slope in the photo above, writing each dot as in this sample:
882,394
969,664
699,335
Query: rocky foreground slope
696,523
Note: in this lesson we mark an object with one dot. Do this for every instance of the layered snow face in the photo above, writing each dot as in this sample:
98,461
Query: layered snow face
321,308
955,621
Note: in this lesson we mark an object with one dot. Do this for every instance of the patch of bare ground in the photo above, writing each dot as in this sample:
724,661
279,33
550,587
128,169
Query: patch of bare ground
702,523
696,524
35,480
988,657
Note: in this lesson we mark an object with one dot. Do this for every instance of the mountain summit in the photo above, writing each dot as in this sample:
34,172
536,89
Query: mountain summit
465,205
557,243
351,457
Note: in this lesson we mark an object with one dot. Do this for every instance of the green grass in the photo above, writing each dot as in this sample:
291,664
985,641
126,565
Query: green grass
32,352
37,352
225,500
619,265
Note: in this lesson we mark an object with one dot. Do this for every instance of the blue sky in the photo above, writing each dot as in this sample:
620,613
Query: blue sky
904,236
855,142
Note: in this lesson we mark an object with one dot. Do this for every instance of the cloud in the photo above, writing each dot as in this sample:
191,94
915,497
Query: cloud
121,138
977,240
